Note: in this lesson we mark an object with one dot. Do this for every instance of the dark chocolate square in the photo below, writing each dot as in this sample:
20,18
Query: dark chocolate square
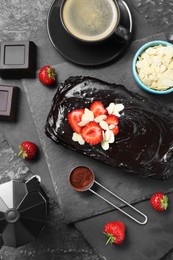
14,55
18,60
3,100
8,102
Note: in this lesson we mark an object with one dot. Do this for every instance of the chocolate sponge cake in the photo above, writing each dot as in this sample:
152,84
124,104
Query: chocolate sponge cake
144,143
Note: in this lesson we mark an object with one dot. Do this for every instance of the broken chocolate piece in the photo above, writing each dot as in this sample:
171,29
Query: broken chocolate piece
18,60
144,144
8,102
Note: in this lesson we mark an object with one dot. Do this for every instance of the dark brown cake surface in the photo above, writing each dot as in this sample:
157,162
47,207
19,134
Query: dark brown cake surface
144,144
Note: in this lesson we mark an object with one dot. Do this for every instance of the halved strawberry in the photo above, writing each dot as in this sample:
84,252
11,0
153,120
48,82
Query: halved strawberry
74,117
92,133
115,130
113,120
98,108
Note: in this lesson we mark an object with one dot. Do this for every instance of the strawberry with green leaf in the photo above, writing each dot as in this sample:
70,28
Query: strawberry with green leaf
28,150
115,232
159,201
47,76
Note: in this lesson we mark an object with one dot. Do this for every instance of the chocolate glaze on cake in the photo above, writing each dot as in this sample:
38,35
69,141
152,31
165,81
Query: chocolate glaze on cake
144,144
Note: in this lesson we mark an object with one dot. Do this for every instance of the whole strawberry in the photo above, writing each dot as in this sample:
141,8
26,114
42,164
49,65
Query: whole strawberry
159,201
28,150
115,231
47,76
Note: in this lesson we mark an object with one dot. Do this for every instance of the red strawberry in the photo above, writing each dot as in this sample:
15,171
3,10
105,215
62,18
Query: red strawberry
98,108
47,75
28,150
74,117
159,201
92,133
113,120
115,231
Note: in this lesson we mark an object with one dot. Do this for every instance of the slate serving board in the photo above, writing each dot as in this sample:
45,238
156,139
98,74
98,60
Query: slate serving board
77,206
149,242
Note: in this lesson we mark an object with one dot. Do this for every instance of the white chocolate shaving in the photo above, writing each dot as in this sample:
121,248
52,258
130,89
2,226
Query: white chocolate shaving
114,109
86,117
100,118
111,138
103,125
78,138
105,145
111,126
107,135
118,108
110,108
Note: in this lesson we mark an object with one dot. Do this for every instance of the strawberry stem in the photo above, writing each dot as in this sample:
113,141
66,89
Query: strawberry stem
111,238
164,202
22,153
51,73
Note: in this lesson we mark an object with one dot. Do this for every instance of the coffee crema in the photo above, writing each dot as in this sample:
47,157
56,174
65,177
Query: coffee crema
90,20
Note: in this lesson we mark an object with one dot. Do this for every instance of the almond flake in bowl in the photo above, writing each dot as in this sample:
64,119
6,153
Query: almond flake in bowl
153,67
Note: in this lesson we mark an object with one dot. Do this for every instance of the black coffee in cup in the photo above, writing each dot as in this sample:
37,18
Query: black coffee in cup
90,20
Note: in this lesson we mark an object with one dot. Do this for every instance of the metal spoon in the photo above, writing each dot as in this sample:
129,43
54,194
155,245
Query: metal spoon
91,183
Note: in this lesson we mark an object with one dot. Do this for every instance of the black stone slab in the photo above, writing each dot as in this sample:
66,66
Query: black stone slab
18,60
149,242
60,161
8,102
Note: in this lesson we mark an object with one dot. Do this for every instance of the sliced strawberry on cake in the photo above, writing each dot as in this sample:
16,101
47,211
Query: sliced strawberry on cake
74,117
112,122
98,109
92,133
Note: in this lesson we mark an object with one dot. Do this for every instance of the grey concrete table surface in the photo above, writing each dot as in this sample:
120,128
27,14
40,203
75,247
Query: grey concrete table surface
26,20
